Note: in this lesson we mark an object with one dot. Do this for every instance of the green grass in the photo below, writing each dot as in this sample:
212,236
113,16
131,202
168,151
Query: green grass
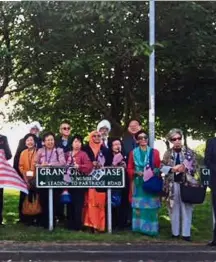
201,230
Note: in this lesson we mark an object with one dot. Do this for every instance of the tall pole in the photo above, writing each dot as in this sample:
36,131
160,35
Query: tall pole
152,73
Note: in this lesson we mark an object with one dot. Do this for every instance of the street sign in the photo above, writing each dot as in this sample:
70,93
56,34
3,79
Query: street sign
205,175
54,177
69,177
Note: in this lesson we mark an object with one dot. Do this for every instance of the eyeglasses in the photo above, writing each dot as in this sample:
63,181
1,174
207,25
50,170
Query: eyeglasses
97,136
176,138
145,137
66,128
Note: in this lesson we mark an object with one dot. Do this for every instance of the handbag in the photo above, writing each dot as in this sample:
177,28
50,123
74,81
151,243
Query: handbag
192,193
31,205
154,185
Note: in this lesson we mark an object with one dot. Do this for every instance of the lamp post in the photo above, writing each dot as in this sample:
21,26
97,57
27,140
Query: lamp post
152,73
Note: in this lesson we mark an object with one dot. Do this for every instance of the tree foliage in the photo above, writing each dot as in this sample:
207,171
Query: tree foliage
88,60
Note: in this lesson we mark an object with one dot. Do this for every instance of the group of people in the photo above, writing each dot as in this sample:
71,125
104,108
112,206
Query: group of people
87,210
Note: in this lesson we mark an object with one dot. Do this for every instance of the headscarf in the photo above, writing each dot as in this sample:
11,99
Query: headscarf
37,125
95,147
104,123
173,132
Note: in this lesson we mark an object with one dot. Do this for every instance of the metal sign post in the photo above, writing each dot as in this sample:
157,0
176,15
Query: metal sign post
109,210
50,209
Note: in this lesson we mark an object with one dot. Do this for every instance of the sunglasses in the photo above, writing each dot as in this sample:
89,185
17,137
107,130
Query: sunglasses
66,128
96,135
143,137
176,139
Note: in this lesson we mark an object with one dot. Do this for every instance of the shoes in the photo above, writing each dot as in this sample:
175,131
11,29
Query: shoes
175,237
188,239
212,243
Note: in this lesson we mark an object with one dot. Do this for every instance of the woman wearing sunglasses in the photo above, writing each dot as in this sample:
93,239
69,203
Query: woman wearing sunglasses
176,162
143,163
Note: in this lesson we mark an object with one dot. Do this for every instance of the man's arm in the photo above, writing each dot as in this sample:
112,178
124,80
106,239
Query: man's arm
7,150
209,160
19,150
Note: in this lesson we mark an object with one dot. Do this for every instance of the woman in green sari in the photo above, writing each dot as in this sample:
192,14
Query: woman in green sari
144,163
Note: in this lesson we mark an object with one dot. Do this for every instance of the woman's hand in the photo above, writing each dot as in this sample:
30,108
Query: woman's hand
178,169
94,163
76,166
123,164
139,173
44,164
181,169
175,169
97,164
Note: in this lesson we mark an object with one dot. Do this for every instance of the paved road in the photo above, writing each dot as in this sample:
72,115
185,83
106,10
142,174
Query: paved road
105,252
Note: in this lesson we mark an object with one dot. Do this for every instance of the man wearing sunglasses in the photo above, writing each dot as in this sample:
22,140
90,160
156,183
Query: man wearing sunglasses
64,142
65,138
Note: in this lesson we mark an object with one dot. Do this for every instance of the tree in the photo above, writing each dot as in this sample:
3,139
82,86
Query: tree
94,72
89,61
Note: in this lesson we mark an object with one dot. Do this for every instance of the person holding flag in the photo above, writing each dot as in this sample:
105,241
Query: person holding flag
9,178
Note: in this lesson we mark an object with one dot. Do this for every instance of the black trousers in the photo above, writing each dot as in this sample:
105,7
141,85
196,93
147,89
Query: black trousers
44,201
75,209
59,207
21,200
123,213
120,213
1,204
213,192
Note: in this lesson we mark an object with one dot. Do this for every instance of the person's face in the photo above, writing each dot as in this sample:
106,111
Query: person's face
34,131
176,140
96,138
134,127
30,143
49,142
116,146
65,129
142,139
104,132
76,144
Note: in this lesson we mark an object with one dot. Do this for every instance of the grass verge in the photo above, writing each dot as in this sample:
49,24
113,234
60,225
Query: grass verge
201,229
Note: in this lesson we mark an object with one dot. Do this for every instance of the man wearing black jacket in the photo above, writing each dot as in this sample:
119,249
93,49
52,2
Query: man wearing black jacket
210,162
35,129
65,139
3,145
64,142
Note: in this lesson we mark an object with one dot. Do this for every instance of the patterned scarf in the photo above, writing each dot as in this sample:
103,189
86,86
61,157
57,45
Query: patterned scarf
187,157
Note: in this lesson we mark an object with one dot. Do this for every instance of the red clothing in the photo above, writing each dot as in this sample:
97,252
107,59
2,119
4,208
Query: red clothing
131,167
81,159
